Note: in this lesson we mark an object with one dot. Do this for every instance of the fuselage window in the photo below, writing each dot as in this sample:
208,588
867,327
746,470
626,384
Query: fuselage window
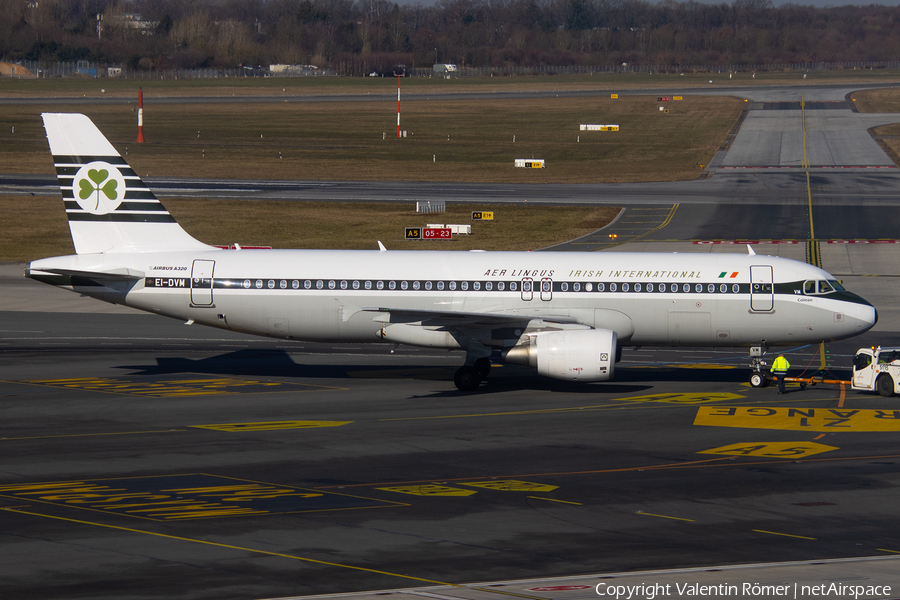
711,288
576,287
331,284
368,285
380,285
464,285
673,287
343,285
452,285
440,285
500,286
649,287
637,287
271,284
589,286
512,286
307,284
686,287
283,284
259,284
698,288
601,287
613,287
403,285
392,285
295,284
476,285
526,286
427,285
246,284
734,288
416,285
626,287
545,286
355,285
488,286
564,287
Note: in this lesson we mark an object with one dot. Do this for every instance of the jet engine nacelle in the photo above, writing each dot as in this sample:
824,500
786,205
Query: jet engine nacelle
579,355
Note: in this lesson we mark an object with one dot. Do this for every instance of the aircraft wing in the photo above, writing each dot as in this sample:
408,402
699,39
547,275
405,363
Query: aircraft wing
455,320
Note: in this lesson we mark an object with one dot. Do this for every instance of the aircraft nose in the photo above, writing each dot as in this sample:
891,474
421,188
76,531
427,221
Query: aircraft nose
862,315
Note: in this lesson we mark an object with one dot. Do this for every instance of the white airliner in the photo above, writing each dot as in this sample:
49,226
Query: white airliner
566,314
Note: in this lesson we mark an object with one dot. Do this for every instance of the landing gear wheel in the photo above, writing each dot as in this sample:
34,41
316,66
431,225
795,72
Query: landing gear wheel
758,380
802,386
466,379
885,386
482,366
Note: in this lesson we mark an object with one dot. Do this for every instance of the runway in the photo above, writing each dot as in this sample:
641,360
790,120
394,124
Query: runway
145,458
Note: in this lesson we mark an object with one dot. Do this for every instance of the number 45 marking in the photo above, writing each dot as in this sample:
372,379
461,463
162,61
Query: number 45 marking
772,449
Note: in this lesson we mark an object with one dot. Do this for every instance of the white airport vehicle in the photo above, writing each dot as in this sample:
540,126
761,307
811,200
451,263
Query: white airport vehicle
565,314
877,370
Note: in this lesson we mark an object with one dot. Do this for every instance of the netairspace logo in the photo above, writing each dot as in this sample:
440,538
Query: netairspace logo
794,591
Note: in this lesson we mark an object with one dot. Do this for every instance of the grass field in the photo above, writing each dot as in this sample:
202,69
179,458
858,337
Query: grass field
35,227
448,140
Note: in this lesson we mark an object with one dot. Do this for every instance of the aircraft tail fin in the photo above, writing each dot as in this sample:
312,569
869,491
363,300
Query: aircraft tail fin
109,208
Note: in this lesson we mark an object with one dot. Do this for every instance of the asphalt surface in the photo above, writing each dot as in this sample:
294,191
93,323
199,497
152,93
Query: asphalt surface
144,458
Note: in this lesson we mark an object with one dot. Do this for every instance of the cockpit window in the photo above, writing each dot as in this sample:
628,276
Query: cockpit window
836,285
809,287
821,286
824,287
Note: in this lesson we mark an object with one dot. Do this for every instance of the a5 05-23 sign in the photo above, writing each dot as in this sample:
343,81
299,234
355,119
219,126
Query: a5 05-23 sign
428,233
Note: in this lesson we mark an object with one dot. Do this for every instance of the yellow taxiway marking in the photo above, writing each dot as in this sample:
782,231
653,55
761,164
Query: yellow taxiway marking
640,512
428,490
802,537
555,500
684,398
512,485
270,425
231,547
886,550
772,449
75,435
822,420
175,388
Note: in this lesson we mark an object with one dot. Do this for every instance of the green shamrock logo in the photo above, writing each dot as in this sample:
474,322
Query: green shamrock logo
94,184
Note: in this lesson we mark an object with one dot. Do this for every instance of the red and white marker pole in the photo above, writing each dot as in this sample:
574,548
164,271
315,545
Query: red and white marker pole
398,107
140,138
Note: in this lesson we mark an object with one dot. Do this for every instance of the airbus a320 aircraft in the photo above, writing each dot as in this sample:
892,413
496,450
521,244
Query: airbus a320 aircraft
566,314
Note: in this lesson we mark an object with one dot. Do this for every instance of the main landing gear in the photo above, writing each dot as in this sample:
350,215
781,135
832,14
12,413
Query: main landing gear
468,377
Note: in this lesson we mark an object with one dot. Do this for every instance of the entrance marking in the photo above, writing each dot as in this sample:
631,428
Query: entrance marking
772,449
512,485
174,386
182,497
640,512
270,425
428,490
684,398
802,537
823,420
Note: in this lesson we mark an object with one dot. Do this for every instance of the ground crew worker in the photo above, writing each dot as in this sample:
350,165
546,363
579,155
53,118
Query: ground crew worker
779,369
